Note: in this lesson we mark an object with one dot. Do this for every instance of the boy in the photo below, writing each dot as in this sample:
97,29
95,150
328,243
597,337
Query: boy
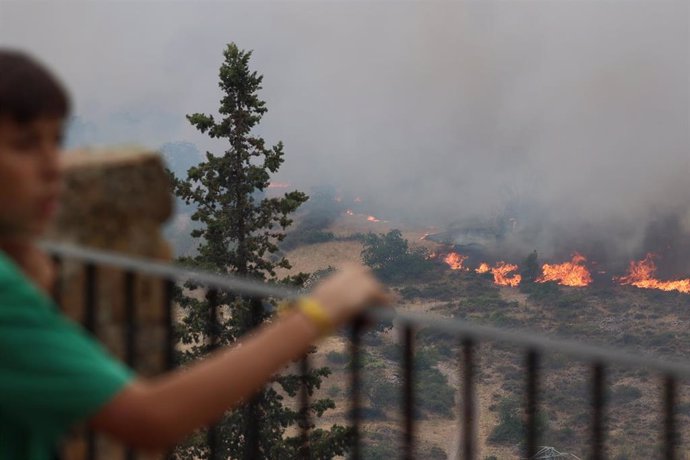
52,374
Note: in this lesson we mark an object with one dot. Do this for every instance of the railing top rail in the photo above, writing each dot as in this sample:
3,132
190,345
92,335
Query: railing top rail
465,329
170,271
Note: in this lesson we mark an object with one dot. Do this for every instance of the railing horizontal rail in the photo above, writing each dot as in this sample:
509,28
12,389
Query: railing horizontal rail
170,271
465,329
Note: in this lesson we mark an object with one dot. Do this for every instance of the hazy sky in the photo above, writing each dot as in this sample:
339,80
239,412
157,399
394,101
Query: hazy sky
433,109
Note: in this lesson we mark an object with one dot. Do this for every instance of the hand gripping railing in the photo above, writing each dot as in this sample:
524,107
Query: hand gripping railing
469,336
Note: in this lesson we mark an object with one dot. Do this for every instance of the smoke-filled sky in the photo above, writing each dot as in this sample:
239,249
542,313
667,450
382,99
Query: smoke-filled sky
577,110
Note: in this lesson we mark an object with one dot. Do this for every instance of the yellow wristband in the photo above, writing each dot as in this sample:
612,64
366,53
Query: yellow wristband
312,310
315,312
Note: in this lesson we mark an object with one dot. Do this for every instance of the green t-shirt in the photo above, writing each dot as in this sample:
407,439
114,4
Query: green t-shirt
52,373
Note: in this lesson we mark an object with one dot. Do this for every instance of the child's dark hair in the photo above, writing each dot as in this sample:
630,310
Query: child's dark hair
28,90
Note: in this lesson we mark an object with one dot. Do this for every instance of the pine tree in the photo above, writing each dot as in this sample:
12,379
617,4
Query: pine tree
239,231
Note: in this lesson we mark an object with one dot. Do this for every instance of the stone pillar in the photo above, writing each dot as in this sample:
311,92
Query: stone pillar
116,200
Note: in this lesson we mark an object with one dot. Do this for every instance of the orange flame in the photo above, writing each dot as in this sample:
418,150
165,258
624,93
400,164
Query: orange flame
454,260
573,273
483,268
501,272
641,275
373,219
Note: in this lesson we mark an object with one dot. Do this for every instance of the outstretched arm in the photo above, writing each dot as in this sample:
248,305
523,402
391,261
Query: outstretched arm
158,413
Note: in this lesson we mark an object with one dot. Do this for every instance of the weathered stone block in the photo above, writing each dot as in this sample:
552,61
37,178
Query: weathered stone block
116,200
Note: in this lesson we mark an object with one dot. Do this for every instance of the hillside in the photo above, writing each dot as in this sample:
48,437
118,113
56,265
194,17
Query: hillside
638,320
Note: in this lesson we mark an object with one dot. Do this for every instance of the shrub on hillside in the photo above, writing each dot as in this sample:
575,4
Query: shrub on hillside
625,393
392,259
337,357
510,429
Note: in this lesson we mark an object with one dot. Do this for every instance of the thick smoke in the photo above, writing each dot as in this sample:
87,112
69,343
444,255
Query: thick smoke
571,117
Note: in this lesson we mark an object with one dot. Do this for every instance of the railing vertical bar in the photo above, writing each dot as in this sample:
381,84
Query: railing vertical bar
468,407
130,333
90,288
355,386
57,286
670,433
598,407
532,435
408,392
90,293
130,319
169,318
304,403
169,315
57,298
253,409
212,437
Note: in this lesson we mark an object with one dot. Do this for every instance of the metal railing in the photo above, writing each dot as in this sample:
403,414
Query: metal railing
469,336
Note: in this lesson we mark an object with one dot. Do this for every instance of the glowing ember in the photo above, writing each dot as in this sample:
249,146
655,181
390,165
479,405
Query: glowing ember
641,275
573,273
373,219
483,268
454,260
349,212
501,272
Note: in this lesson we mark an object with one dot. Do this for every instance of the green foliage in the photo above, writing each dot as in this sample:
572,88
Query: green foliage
392,258
337,357
434,396
433,393
334,391
625,394
510,428
392,351
436,453
541,293
384,394
381,444
238,232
